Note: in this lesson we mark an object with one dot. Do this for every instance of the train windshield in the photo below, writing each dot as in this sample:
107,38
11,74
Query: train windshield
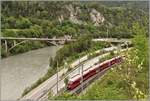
70,82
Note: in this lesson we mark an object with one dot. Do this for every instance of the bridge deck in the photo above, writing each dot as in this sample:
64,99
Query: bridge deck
58,39
35,39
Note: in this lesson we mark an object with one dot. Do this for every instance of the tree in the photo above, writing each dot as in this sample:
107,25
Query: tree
23,23
36,31
12,21
140,41
134,71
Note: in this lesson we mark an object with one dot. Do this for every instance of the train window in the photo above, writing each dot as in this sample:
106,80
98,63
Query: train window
77,81
106,65
120,59
97,70
112,62
85,75
74,82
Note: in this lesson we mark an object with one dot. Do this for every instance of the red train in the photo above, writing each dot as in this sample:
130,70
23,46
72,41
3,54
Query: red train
76,80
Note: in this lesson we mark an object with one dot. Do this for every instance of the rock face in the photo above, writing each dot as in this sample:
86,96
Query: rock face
96,17
61,18
73,14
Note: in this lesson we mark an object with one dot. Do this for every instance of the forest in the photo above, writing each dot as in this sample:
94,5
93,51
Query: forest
41,19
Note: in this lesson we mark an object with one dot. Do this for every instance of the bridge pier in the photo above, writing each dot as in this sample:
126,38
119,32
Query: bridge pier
6,47
14,42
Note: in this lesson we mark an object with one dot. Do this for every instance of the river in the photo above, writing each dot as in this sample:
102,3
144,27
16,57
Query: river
22,70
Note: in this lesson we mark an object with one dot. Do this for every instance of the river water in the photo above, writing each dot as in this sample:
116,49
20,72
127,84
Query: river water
22,70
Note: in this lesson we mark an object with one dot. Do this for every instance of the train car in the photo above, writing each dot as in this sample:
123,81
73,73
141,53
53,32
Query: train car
110,62
77,79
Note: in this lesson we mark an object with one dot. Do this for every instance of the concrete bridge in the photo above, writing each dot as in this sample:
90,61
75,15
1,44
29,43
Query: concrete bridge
36,39
56,41
53,41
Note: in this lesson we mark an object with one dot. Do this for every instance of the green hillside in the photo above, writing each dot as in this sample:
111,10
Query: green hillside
41,19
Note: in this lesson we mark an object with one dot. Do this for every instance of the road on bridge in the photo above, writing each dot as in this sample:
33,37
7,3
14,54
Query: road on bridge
57,39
